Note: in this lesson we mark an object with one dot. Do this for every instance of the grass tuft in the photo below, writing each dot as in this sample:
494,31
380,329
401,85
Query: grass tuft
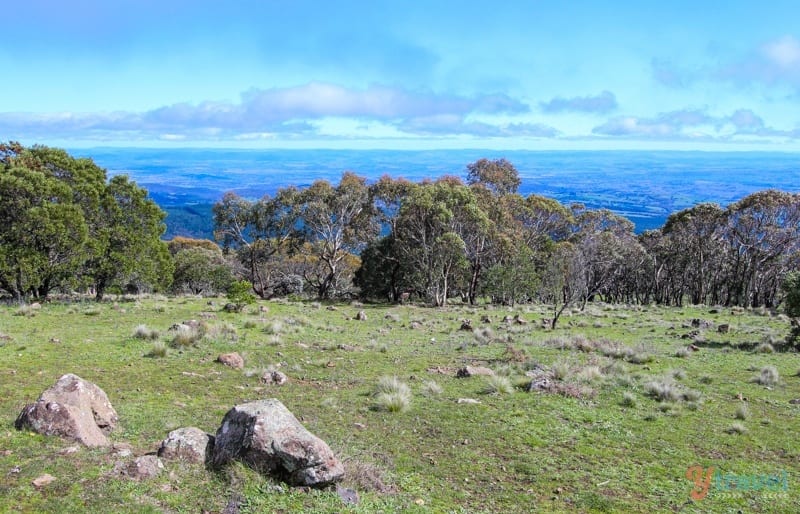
392,395
497,384
143,332
769,376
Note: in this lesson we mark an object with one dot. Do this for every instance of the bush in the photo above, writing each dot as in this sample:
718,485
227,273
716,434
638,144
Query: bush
240,293
662,391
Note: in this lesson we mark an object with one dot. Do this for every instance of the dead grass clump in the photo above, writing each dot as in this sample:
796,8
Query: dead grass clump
392,395
769,376
662,390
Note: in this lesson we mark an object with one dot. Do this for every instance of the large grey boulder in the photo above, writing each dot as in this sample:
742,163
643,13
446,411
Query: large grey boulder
266,436
72,408
189,444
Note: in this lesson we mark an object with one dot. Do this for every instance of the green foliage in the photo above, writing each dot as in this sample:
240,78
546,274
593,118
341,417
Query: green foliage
63,226
240,293
791,290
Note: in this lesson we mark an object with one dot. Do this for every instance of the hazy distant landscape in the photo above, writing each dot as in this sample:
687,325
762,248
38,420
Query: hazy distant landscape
645,187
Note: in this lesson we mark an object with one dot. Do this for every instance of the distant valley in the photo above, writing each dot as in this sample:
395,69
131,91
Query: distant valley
645,187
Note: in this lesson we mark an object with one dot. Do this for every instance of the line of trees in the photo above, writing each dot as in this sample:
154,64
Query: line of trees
479,238
65,226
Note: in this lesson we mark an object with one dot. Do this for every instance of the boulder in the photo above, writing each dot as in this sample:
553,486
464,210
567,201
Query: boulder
361,316
233,360
266,436
72,408
189,444
724,328
466,324
474,371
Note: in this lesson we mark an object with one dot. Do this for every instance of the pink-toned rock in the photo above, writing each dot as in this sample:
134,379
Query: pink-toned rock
233,360
72,408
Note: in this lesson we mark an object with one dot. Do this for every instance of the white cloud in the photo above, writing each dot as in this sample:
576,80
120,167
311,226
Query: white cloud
784,52
602,103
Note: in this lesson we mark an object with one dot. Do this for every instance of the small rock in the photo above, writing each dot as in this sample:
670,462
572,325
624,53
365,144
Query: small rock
466,324
796,401
36,306
233,360
346,347
471,401
189,444
362,426
43,480
724,328
519,321
231,307
348,496
331,308
419,501
69,450
474,371
415,325
486,319
142,468
361,316
277,378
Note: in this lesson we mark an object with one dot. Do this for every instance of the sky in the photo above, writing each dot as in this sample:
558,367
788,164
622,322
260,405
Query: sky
510,74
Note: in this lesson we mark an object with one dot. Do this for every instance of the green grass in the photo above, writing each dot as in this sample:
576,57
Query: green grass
618,450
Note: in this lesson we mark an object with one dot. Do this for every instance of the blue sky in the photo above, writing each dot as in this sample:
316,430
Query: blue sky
699,75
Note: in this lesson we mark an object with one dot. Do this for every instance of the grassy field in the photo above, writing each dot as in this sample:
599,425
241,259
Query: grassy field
628,410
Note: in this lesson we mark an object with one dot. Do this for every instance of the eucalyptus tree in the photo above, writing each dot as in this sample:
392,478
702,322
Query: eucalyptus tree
259,232
337,223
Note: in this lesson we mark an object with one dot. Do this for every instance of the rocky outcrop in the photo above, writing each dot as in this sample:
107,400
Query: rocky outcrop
72,408
266,436
188,444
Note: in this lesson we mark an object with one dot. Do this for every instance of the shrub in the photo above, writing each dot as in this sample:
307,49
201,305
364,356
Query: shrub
589,374
690,395
240,293
560,370
682,352
765,348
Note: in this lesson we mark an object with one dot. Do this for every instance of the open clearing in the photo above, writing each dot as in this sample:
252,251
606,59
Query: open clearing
626,408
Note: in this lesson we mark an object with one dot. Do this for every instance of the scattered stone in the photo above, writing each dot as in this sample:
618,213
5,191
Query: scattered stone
331,308
72,408
724,328
471,401
694,347
348,496
547,324
519,321
277,378
691,334
69,450
361,316
415,325
441,370
539,384
466,324
486,319
266,436
231,307
55,340
330,364
508,319
35,306
43,480
233,360
189,444
360,426
263,309
474,371
141,468
796,401
122,449
346,347
701,323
